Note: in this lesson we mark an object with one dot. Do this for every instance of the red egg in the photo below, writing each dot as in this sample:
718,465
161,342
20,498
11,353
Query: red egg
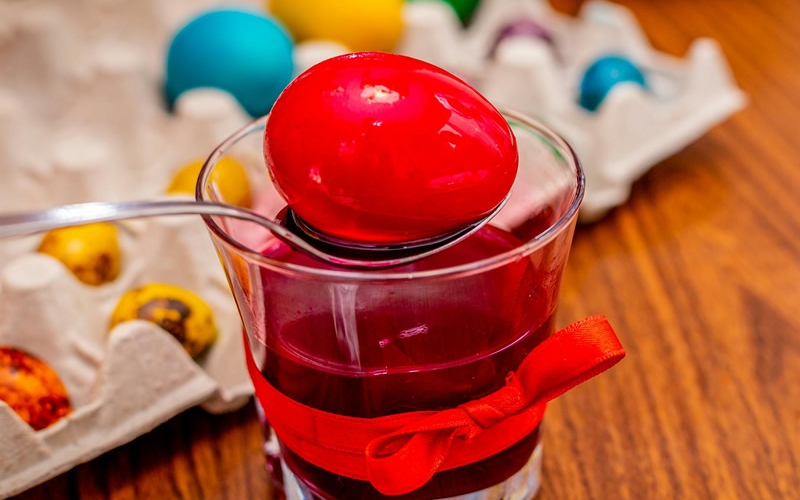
378,148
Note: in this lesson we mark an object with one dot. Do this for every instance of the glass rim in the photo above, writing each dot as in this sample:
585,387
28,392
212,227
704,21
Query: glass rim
529,246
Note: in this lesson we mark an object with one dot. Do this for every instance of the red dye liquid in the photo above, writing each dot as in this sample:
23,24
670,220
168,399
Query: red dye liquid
441,348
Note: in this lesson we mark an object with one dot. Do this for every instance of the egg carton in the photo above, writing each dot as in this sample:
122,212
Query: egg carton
130,401
632,130
122,382
82,119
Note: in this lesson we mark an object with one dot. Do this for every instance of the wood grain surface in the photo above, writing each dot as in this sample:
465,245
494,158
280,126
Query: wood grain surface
700,274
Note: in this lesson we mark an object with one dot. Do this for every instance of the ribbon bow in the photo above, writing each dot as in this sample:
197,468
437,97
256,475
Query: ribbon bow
400,453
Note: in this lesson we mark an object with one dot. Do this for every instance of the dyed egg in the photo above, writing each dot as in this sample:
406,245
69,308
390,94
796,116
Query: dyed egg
176,310
228,174
247,54
464,8
379,148
521,28
603,75
90,251
32,389
357,24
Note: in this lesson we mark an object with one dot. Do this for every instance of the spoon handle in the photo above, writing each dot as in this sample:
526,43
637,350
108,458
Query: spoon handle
27,223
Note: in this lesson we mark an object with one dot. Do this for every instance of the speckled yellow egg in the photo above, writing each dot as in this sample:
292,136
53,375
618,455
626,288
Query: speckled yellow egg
360,25
91,251
32,389
178,311
228,174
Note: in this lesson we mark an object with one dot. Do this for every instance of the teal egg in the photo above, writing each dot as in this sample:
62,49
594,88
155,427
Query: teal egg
603,75
245,53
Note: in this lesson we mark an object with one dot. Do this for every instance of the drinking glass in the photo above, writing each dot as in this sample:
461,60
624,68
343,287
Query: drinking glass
426,336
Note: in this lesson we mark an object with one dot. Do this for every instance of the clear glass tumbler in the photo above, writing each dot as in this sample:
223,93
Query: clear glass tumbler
427,336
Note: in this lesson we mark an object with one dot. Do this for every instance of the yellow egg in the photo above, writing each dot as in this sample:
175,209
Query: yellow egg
177,310
91,252
228,174
360,25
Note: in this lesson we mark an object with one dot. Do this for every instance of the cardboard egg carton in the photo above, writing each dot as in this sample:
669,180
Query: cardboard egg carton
121,383
82,119
631,131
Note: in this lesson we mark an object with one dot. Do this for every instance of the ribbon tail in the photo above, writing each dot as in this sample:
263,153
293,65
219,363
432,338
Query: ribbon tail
570,357
412,465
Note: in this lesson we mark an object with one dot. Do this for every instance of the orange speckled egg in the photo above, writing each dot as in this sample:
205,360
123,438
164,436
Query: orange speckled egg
32,389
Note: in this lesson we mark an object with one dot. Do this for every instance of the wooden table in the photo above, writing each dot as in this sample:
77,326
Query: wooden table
699,273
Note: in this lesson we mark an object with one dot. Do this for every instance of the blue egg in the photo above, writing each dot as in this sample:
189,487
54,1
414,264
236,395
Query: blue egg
245,53
601,77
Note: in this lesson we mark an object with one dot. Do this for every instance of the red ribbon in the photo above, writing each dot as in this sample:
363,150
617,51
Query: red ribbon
400,453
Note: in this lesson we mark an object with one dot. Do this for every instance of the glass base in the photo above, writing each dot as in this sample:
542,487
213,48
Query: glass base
524,485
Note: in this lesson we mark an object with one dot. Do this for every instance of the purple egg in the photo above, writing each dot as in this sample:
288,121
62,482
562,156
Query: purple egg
520,28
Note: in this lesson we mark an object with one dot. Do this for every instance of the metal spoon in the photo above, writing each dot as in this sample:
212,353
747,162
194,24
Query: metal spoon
27,223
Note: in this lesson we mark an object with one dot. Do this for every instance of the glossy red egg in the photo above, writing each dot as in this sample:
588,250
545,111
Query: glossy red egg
379,148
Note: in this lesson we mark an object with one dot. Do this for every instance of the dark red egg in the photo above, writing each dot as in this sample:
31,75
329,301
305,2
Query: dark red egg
378,148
